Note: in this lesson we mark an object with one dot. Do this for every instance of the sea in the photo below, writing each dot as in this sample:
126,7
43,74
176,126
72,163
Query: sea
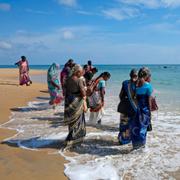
100,156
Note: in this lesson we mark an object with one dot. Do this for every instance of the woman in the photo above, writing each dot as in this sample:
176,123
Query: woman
140,122
54,84
127,99
23,71
66,72
75,99
96,100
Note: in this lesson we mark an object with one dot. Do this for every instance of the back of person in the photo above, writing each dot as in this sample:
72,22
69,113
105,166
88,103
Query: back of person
72,86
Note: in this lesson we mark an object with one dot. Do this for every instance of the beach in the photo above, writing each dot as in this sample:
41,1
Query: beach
31,149
17,163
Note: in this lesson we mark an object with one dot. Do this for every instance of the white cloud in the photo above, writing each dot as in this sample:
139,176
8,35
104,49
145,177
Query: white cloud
38,12
67,34
5,45
84,12
171,3
69,3
121,13
152,4
5,7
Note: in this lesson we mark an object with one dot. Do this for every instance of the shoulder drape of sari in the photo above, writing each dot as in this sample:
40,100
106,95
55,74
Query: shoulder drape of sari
124,135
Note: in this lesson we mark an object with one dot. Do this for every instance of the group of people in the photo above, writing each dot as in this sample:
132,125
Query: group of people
135,108
81,92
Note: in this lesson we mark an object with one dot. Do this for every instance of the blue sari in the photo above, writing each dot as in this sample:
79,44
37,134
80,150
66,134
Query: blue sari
124,135
140,122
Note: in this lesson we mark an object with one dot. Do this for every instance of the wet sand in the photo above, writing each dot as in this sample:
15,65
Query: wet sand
17,163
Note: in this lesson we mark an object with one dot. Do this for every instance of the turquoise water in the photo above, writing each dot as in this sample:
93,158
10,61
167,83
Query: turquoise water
165,81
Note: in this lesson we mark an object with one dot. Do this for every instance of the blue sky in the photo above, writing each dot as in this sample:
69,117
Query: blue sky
105,31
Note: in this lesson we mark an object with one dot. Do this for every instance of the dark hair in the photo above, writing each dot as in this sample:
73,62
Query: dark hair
85,66
134,72
144,72
70,61
107,74
23,57
89,62
94,70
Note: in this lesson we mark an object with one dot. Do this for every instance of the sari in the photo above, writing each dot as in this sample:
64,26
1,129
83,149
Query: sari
53,77
124,135
140,123
95,104
23,72
74,115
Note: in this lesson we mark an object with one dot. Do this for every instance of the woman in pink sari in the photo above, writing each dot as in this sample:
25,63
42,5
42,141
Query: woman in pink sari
23,71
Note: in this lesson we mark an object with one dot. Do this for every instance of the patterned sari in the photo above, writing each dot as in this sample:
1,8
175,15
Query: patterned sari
23,72
124,135
53,76
95,103
74,117
140,122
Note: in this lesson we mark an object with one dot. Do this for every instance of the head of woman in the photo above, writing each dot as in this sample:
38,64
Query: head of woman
53,69
77,70
133,75
144,74
23,58
106,76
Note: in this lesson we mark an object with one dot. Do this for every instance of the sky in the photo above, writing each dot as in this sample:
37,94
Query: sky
104,31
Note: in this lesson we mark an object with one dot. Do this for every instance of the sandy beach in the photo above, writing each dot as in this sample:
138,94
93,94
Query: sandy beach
17,163
41,130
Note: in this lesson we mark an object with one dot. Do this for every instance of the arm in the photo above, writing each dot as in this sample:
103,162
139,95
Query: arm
27,65
150,104
102,93
55,85
17,63
82,88
121,94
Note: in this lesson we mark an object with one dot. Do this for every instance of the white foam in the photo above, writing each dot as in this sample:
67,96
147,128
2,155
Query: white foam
99,157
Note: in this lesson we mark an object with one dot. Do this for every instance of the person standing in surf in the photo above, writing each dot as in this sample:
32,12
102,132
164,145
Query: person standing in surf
75,99
140,122
126,107
23,71
96,99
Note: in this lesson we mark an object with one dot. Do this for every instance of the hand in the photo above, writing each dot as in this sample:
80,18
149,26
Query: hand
58,87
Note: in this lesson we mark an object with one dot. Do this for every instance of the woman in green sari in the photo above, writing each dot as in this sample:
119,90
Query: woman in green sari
54,84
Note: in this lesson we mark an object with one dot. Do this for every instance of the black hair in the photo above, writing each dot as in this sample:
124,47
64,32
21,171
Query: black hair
94,69
133,73
107,74
70,61
85,66
89,62
23,57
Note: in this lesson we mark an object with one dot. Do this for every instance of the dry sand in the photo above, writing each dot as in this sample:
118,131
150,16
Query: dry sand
16,163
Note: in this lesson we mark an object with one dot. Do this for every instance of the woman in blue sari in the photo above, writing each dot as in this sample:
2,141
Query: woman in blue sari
127,95
54,84
139,124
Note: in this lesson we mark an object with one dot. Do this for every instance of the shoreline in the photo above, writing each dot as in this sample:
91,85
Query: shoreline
55,169
17,163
